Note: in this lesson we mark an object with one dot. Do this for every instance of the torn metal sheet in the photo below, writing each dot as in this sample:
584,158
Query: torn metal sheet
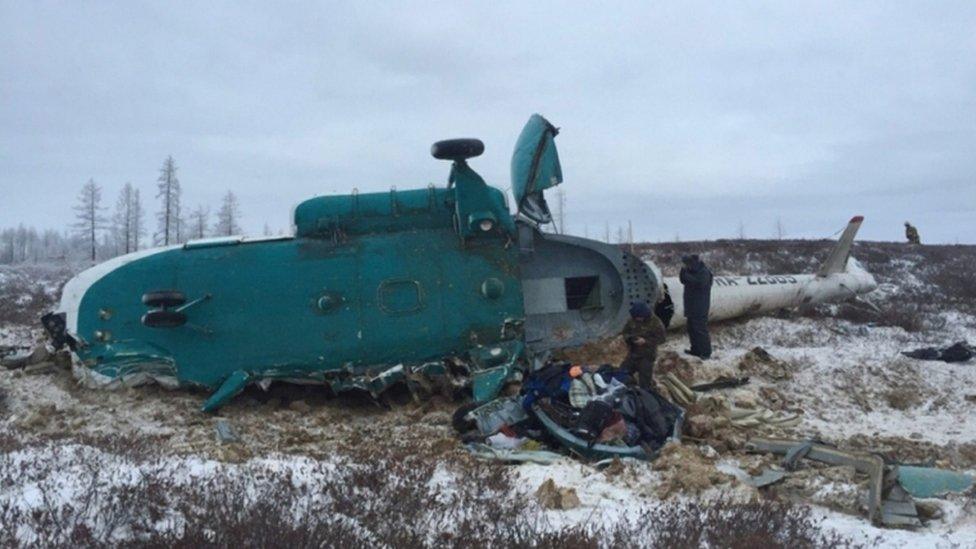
795,454
754,417
492,416
929,482
898,508
598,451
225,433
721,383
542,457
871,465
766,478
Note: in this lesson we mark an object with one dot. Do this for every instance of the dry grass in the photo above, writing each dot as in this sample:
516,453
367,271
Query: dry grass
369,499
26,291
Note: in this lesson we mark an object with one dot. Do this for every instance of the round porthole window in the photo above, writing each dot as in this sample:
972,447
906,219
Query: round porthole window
492,288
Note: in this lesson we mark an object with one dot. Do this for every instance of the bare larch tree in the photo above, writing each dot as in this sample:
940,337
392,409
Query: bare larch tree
89,217
228,217
198,222
138,220
168,191
122,222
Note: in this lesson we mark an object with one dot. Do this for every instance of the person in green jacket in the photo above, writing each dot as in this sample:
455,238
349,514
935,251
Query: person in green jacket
911,234
642,334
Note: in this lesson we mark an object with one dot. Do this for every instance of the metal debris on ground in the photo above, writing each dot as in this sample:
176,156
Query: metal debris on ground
541,457
898,508
873,466
765,478
678,390
795,454
754,416
225,433
38,355
928,482
890,487
722,382
748,418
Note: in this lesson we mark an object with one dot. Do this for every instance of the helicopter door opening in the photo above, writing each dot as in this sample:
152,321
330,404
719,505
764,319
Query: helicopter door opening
582,293
572,291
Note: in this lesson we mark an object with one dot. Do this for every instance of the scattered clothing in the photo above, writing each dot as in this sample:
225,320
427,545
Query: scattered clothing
505,442
582,390
592,419
664,309
550,381
697,296
960,351
615,431
653,415
594,413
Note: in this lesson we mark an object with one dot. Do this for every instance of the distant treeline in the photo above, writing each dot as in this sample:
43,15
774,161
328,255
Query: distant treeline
96,236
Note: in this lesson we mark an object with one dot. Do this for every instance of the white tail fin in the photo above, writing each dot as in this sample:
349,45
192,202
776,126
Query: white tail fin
837,262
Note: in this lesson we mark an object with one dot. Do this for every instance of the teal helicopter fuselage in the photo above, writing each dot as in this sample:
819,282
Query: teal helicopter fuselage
372,289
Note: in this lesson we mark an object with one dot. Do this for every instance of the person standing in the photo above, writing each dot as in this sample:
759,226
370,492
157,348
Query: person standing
911,234
642,334
697,297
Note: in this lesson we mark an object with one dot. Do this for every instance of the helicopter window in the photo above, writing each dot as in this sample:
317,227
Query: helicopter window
582,292
400,296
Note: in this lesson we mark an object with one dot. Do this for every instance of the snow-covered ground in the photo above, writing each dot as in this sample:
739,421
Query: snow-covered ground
848,381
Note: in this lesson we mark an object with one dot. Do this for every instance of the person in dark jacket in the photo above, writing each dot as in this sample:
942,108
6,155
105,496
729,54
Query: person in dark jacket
697,297
642,334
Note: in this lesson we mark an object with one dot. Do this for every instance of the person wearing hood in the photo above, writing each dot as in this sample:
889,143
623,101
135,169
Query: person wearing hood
911,234
697,296
642,334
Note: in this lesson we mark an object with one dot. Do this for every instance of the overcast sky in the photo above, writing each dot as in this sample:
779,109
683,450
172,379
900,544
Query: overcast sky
687,119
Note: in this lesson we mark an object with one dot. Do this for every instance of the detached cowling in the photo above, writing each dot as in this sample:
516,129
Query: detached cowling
535,168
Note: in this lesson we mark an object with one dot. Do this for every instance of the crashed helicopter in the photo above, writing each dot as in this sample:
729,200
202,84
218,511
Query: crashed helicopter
430,286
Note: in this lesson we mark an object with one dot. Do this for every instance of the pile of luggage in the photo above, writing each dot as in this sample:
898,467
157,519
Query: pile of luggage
595,412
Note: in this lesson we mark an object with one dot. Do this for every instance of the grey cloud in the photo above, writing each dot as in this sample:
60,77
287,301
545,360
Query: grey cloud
684,117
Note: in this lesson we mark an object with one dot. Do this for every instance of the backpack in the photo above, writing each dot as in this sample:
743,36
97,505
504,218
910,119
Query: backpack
593,418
